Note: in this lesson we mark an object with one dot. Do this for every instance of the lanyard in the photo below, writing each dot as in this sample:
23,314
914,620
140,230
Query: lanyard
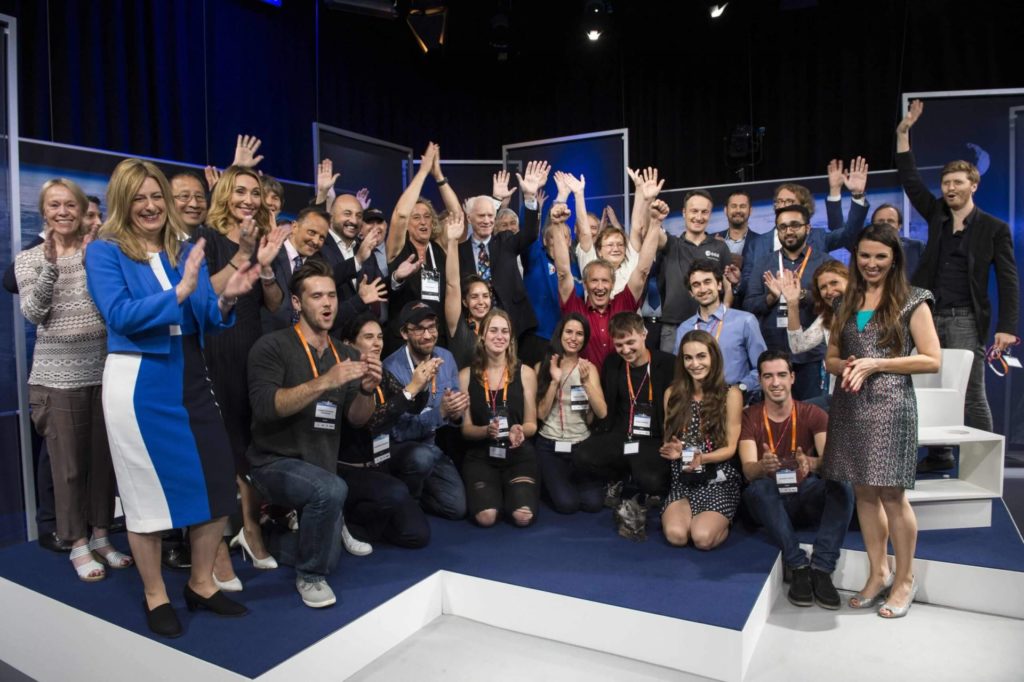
721,323
380,393
433,262
561,401
412,369
634,396
792,430
803,265
492,398
305,346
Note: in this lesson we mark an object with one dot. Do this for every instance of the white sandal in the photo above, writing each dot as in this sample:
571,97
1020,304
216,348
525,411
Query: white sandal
87,570
113,558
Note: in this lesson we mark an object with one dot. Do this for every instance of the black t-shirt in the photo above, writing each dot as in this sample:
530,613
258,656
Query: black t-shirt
952,287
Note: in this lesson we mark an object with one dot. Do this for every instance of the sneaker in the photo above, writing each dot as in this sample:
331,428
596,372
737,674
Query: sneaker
613,494
825,594
800,591
315,595
353,546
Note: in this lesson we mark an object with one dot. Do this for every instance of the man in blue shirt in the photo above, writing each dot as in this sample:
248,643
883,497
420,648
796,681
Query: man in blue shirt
427,470
737,331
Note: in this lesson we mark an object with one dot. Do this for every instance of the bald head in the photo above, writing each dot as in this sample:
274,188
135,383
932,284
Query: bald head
346,217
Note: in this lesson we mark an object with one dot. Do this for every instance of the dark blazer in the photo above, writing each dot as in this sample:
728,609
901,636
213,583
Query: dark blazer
662,374
989,245
506,279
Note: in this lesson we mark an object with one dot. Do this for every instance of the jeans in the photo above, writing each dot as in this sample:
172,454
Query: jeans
957,329
319,496
432,478
831,502
567,488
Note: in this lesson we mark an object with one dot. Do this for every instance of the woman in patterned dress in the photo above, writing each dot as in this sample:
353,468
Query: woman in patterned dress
702,419
872,431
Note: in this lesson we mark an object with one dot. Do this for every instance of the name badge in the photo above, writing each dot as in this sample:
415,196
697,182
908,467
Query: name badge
578,400
381,448
782,321
430,285
786,480
325,415
631,447
563,446
687,457
498,452
502,426
641,423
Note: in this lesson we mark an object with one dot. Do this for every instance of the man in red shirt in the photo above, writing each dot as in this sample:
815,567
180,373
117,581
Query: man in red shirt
781,442
598,279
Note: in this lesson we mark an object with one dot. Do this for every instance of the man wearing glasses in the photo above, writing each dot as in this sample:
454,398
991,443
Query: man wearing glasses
420,463
802,251
190,198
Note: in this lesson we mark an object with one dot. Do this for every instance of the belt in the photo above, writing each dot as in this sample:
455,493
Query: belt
960,311
653,320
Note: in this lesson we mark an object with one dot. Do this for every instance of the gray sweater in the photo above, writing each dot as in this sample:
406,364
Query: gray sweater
277,361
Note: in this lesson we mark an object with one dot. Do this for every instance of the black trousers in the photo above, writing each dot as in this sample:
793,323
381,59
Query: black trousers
606,458
379,506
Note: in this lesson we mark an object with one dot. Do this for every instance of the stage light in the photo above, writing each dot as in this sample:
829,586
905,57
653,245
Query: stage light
428,22
593,35
595,18
717,10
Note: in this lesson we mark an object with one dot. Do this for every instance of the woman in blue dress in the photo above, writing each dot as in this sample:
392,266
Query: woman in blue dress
171,454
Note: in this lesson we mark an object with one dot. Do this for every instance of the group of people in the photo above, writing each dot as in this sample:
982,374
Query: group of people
344,375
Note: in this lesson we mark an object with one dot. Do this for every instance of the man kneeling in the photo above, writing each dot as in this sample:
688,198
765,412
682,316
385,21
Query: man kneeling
301,384
780,445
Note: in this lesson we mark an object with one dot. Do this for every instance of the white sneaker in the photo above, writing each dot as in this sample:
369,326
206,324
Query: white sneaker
315,595
353,546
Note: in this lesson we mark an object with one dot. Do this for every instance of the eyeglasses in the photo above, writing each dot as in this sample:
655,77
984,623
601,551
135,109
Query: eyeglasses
790,227
186,197
420,331
780,203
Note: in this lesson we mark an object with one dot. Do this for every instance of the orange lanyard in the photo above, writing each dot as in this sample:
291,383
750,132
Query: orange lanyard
792,430
492,398
803,266
305,346
634,396
721,323
380,393
561,402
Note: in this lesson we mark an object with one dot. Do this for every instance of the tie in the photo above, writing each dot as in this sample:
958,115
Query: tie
653,294
483,263
297,263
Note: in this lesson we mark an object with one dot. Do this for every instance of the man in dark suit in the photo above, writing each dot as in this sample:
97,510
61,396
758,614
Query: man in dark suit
493,255
964,243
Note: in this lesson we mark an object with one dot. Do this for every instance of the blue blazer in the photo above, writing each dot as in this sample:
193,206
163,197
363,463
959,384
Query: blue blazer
137,310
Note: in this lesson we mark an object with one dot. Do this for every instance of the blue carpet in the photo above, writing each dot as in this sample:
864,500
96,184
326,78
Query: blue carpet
578,556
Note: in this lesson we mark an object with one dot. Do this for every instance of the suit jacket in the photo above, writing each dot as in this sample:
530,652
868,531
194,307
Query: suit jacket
989,245
506,280
137,310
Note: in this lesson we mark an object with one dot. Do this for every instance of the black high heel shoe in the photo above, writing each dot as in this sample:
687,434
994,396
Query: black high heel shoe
216,602
162,620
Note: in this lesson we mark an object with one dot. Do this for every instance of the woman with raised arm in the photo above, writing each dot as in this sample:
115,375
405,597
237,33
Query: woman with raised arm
881,335
500,467
702,422
167,439
240,230
67,370
467,299
569,397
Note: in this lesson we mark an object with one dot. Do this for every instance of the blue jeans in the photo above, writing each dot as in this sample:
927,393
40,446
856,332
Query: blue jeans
568,489
957,329
831,502
319,496
432,478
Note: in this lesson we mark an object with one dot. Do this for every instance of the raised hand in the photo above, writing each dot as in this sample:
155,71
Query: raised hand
345,371
370,242
499,186
659,211
271,244
430,155
454,404
612,218
245,151
212,176
424,372
455,226
836,179
913,113
241,281
789,286
856,177
374,372
535,177
248,233
732,273
636,177
407,267
190,276
90,237
363,197
562,189
586,367
651,186
575,185
559,213
555,368
773,283
325,179
373,292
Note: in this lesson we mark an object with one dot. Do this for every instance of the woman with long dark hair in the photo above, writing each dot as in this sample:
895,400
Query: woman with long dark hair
167,439
702,424
569,397
872,428
500,468
468,299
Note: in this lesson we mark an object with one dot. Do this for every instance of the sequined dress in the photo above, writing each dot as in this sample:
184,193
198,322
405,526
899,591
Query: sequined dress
872,434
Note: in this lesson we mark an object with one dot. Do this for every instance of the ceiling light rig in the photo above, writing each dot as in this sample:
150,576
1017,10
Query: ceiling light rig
428,22
716,11
595,19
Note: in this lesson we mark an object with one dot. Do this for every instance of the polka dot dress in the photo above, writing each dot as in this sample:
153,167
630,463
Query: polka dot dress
721,494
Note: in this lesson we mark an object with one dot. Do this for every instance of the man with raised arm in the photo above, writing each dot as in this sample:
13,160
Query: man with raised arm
781,444
964,244
598,279
302,383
